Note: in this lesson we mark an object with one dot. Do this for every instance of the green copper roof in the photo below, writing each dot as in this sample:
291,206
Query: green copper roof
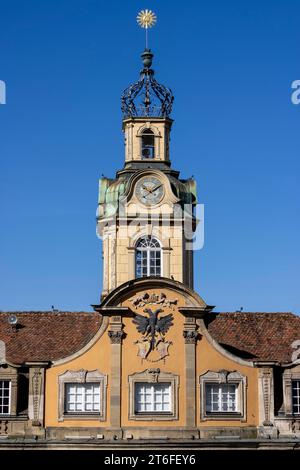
110,191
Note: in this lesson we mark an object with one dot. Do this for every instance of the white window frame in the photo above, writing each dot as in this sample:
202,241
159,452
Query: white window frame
151,389
10,374
218,390
9,396
84,395
296,413
148,250
228,378
81,376
153,376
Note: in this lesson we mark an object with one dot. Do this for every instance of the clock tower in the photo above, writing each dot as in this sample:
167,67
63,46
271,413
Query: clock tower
146,215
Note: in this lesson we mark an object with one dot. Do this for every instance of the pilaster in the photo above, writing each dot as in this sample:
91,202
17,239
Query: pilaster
166,261
266,402
36,396
266,396
131,262
190,335
105,264
115,334
287,393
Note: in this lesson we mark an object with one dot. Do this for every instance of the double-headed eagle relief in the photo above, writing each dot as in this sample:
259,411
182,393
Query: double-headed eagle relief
154,326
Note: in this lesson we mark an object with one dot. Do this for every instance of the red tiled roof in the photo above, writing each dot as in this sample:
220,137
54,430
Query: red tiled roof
256,335
47,336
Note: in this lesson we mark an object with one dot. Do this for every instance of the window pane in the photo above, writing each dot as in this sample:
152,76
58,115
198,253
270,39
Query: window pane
152,397
4,396
71,389
221,398
82,398
296,396
148,257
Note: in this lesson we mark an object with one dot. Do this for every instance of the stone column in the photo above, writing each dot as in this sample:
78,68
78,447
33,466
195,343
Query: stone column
190,337
115,334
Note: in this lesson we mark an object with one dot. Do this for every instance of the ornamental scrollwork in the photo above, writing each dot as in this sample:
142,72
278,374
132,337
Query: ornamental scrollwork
155,299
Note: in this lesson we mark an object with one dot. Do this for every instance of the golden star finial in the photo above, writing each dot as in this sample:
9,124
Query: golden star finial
146,19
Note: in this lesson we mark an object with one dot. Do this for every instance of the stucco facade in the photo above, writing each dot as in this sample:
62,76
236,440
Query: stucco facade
186,361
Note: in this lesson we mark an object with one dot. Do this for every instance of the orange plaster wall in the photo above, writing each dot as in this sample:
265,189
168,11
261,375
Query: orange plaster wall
98,357
208,358
174,363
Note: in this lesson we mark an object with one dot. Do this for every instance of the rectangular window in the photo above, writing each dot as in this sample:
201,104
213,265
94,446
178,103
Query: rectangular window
155,263
141,264
153,398
296,396
221,398
5,394
82,398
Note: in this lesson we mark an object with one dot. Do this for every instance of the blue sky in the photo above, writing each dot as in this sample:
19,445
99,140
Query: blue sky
230,65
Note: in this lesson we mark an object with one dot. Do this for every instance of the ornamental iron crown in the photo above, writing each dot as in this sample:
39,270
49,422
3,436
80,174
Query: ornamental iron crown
147,97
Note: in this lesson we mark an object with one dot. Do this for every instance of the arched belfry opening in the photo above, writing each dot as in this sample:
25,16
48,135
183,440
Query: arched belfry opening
148,145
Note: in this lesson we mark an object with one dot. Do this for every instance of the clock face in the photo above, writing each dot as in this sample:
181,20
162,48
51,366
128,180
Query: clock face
149,190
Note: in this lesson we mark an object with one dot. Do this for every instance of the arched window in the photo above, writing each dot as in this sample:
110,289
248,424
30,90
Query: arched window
148,257
148,144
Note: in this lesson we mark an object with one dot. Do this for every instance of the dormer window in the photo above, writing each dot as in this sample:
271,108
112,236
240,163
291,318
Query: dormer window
148,147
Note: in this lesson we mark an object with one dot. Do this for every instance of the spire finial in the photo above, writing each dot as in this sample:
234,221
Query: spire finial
146,19
147,97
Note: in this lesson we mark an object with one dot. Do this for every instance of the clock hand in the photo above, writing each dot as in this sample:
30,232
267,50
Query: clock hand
155,188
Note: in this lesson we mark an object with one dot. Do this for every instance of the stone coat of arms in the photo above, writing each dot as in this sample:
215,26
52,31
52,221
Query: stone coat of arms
153,328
